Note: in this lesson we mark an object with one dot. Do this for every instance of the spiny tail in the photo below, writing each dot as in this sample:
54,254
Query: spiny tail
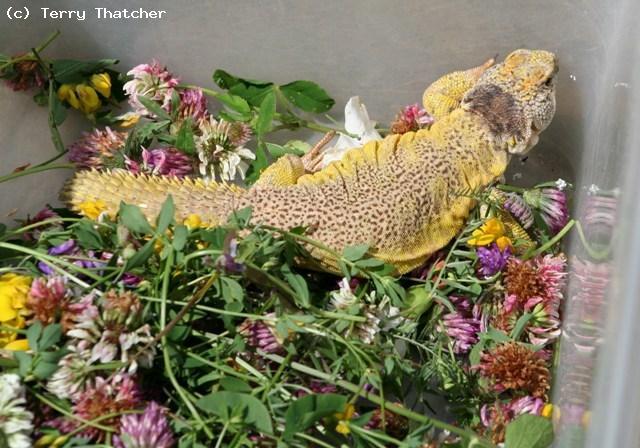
92,193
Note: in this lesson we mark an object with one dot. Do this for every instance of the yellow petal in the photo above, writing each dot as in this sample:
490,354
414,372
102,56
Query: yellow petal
66,93
7,311
92,209
193,221
102,83
19,345
343,427
547,410
88,97
129,119
503,242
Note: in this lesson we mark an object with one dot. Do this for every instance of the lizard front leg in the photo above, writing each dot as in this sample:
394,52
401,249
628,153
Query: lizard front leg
288,169
445,94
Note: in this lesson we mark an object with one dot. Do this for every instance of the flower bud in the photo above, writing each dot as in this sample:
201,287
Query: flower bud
102,83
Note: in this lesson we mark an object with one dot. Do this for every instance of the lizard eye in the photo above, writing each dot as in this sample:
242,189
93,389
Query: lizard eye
548,82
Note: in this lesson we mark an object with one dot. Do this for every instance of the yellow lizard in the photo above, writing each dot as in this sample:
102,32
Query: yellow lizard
400,195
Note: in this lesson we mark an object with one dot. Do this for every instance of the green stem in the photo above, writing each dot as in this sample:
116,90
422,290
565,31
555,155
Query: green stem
222,434
68,414
30,56
36,169
392,407
558,236
510,188
166,280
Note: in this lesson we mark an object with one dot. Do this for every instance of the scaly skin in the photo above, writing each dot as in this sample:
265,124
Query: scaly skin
404,196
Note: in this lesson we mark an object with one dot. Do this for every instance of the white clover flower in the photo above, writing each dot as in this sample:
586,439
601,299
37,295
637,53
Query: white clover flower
562,184
220,155
356,122
344,297
73,371
16,423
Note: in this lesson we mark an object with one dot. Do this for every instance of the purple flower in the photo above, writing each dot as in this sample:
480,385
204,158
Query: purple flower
131,280
152,81
63,248
516,205
147,430
492,260
96,148
193,104
552,204
227,261
259,335
462,325
167,161
411,118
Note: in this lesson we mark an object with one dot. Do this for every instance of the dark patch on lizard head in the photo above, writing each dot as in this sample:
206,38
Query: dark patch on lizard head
498,107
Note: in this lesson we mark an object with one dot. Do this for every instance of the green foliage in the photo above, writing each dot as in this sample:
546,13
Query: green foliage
529,431
307,410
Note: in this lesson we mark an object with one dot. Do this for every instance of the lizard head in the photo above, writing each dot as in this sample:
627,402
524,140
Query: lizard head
517,98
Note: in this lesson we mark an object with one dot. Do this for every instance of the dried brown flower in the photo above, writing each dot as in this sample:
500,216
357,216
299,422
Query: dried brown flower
513,366
523,281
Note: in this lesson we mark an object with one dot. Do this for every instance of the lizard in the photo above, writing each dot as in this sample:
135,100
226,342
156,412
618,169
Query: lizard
399,195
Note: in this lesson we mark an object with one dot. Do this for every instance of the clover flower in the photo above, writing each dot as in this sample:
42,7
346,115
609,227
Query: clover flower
412,118
26,75
114,329
492,230
16,423
48,298
106,396
395,425
513,366
492,260
552,204
219,156
462,325
495,417
14,294
152,81
74,370
193,105
261,336
516,205
344,297
97,149
147,430
162,161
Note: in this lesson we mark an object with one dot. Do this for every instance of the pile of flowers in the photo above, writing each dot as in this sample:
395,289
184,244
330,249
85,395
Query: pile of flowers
120,332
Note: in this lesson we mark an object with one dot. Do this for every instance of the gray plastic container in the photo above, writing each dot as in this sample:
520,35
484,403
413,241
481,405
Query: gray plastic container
387,52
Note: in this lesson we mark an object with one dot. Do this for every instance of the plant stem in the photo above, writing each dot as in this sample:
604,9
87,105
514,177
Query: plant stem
396,409
39,49
558,236
36,169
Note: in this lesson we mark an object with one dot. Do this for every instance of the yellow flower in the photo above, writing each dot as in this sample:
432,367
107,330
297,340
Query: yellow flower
129,119
68,94
193,221
19,345
92,209
343,424
14,291
491,231
102,83
547,410
89,101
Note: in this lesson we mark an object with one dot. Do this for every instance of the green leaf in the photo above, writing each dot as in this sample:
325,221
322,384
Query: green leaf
132,218
291,147
58,111
44,369
308,96
258,165
153,107
87,235
235,103
529,431
165,217
50,336
69,71
307,410
142,255
353,253
33,334
24,362
299,285
184,138
265,117
227,405
180,234
235,385
520,326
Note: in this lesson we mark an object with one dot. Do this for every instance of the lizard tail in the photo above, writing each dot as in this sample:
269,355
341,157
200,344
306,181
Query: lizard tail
92,193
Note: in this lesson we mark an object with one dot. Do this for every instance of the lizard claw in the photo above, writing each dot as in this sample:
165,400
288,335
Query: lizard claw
312,159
